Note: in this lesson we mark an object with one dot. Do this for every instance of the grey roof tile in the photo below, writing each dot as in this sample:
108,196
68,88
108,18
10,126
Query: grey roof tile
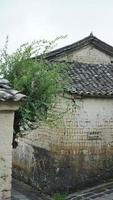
90,79
7,93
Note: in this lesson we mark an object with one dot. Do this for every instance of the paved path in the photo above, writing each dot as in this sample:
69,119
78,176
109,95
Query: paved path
21,191
101,192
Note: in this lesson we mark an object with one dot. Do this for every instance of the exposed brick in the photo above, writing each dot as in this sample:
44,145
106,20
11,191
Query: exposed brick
81,144
88,54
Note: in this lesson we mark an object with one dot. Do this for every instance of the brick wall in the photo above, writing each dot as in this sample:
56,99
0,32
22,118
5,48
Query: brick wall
75,152
83,119
88,54
89,127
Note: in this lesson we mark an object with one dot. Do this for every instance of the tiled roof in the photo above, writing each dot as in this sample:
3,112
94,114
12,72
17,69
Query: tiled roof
7,93
90,79
91,39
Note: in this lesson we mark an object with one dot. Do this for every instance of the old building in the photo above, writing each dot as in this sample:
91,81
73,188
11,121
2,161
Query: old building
8,104
78,149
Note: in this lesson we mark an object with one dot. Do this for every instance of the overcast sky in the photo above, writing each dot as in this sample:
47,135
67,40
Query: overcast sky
27,20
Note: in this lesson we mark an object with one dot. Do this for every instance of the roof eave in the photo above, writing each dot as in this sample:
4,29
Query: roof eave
84,42
91,96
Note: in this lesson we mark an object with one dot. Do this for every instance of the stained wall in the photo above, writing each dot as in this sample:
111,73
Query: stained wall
75,152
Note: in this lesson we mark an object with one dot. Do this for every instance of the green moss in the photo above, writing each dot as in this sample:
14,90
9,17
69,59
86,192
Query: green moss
2,159
58,196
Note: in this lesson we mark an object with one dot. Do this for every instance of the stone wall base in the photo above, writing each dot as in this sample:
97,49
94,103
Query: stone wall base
52,172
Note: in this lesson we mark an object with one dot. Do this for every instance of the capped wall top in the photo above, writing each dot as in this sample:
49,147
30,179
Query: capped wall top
7,93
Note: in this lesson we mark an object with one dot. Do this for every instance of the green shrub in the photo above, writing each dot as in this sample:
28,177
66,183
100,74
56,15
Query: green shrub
35,77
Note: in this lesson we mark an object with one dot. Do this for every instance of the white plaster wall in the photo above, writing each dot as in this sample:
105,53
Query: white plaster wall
71,133
88,54
6,135
88,116
96,110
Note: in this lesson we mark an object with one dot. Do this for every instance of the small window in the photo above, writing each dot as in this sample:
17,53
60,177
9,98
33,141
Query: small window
111,61
94,135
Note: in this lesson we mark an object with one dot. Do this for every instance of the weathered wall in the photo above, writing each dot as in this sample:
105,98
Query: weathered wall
88,54
77,152
6,135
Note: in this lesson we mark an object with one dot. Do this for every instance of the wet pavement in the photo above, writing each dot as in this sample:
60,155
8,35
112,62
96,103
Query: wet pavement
21,191
101,192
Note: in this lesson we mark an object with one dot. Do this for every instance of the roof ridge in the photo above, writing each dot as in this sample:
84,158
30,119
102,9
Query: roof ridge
79,44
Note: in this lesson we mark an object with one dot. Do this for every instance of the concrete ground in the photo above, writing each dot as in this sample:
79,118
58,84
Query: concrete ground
101,192
21,191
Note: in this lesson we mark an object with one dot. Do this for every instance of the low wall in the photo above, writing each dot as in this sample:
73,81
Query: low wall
50,172
6,136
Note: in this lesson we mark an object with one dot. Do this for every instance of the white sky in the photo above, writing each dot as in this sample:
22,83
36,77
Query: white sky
27,20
